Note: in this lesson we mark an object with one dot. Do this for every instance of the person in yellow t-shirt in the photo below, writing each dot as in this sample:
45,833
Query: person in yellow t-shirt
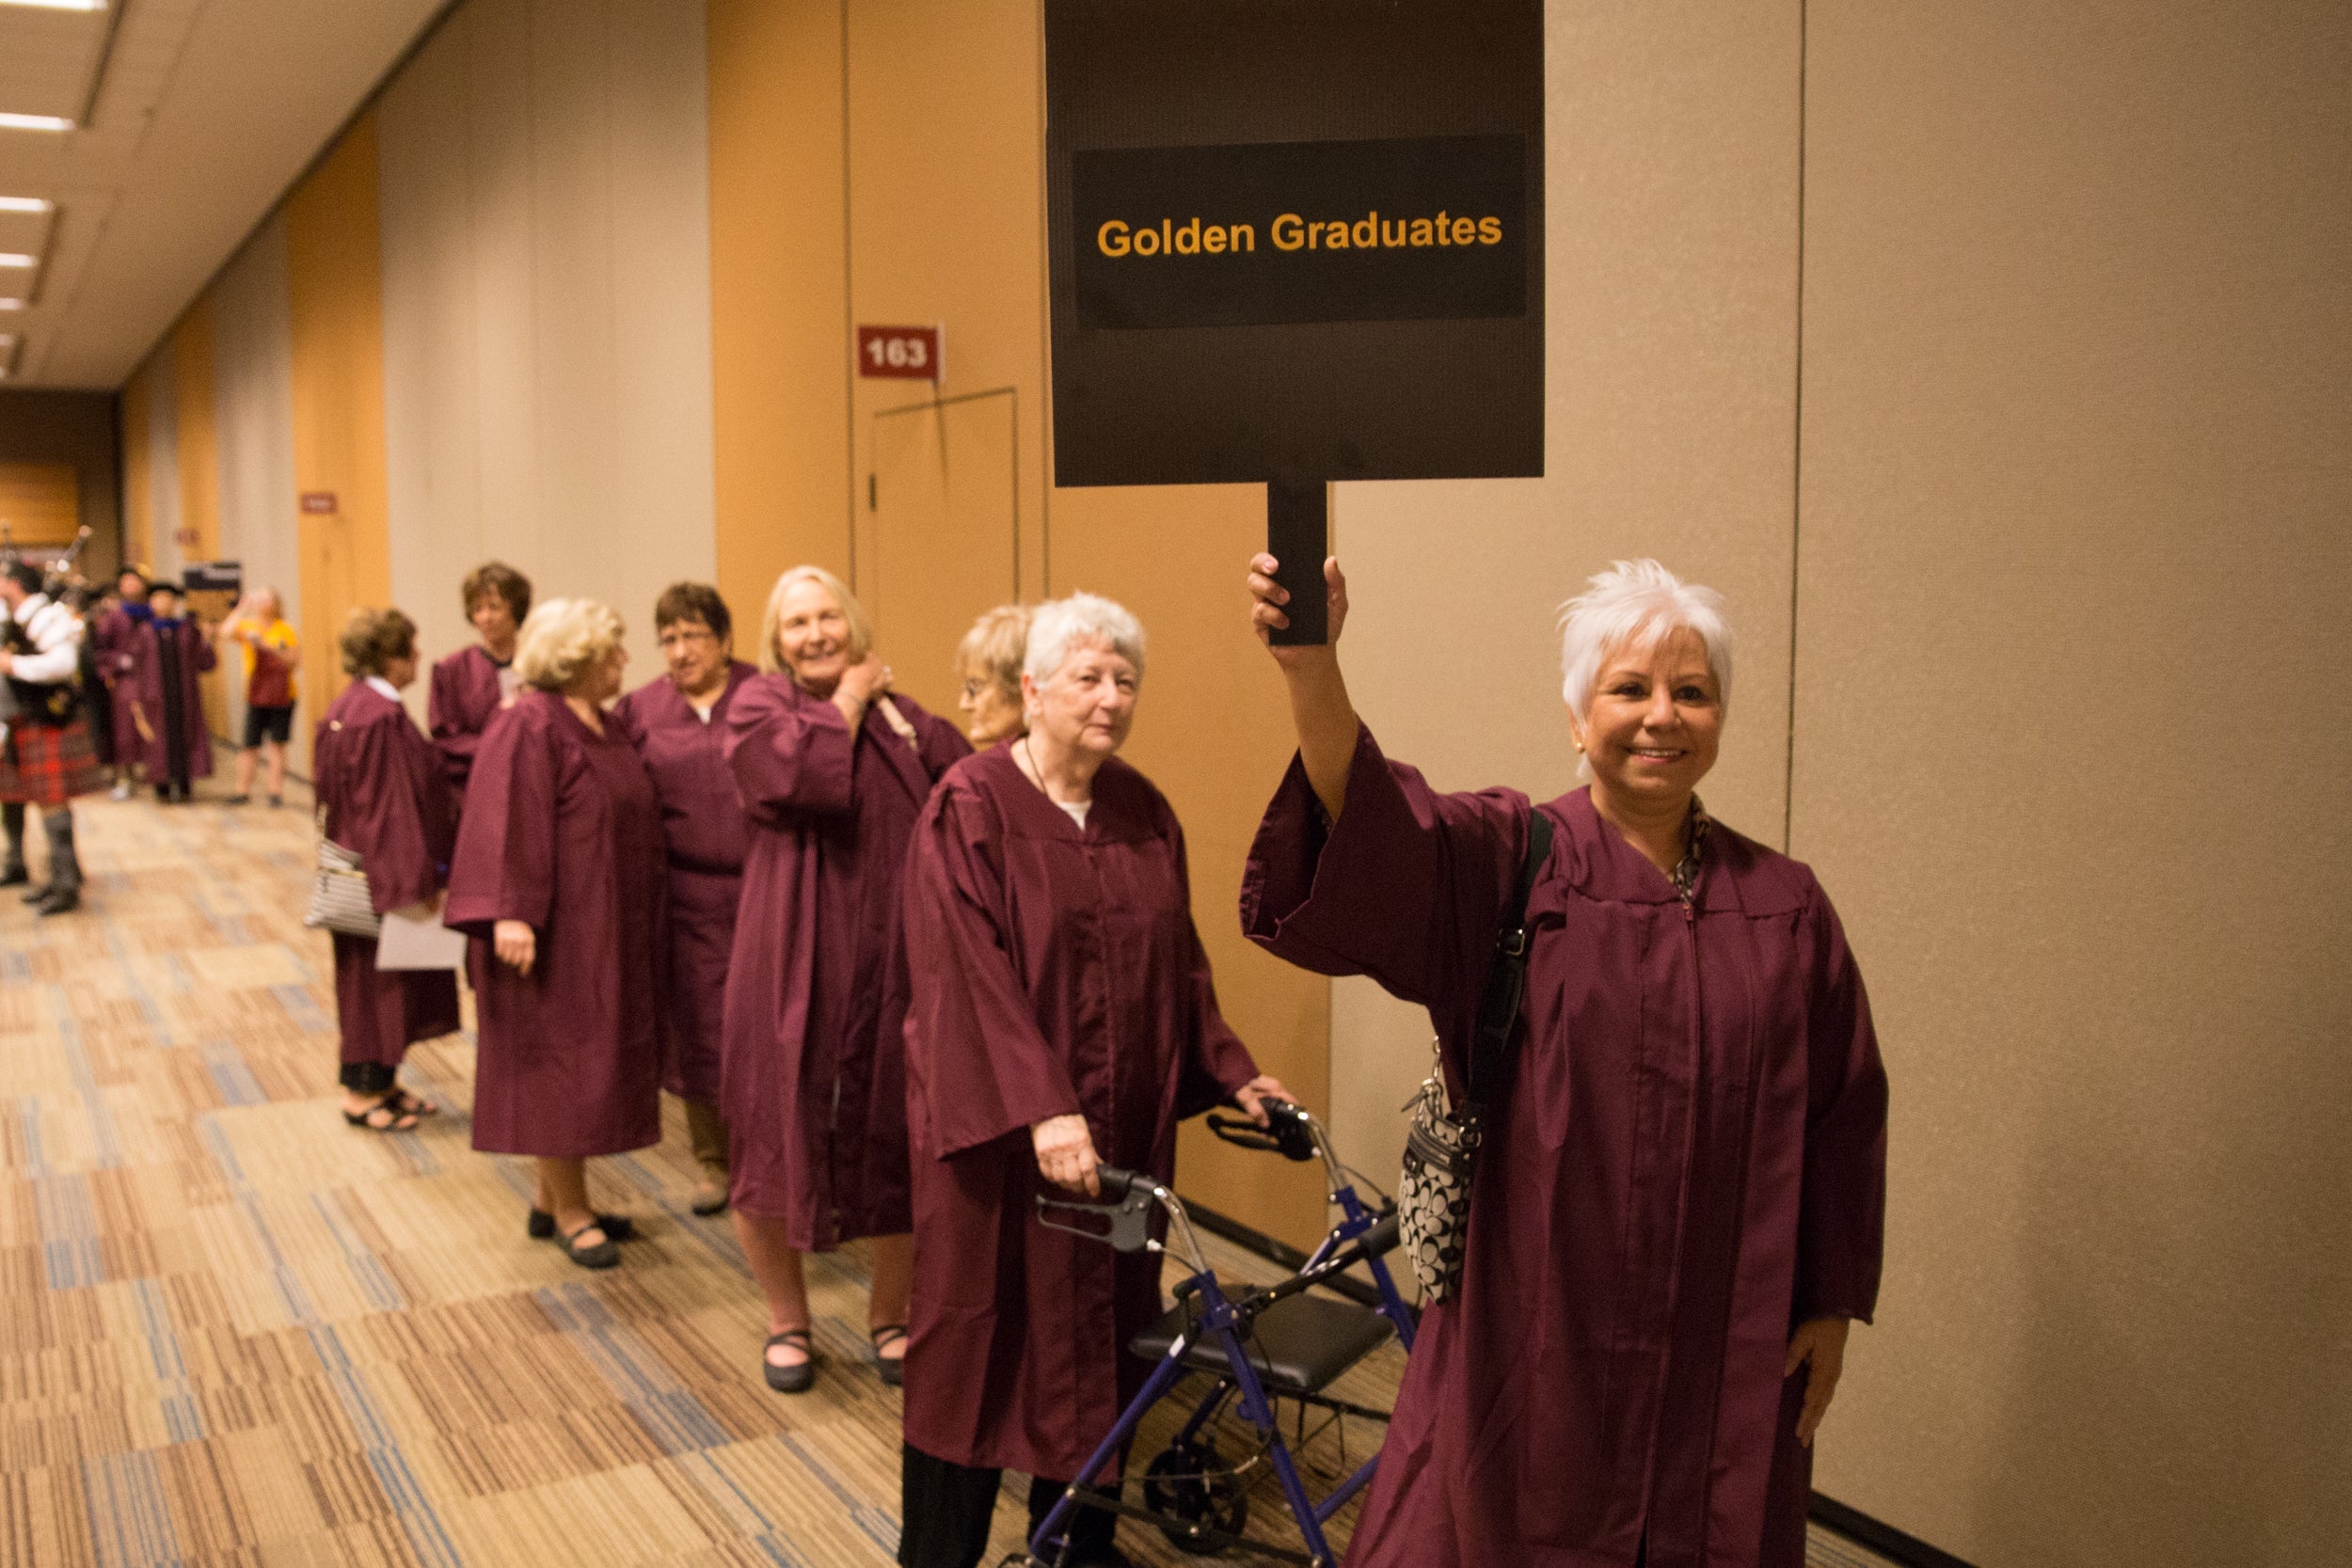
258,628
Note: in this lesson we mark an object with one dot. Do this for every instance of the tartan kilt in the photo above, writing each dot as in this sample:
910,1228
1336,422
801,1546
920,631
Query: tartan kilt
47,765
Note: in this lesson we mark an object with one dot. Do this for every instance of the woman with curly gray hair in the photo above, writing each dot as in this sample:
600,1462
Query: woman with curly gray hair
559,879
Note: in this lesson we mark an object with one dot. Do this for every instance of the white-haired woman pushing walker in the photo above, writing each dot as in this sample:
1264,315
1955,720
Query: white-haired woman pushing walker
1678,1206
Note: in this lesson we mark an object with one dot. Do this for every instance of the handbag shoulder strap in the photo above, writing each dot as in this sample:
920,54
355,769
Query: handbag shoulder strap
1506,979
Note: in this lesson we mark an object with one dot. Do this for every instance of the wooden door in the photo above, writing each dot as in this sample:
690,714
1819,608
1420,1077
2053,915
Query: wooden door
942,538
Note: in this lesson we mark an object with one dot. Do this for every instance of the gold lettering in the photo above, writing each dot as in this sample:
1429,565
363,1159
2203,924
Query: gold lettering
1112,238
1489,230
1289,238
1367,232
1189,239
1314,236
1392,234
1420,231
1167,243
1335,235
1146,242
1464,231
1443,229
1245,237
1212,240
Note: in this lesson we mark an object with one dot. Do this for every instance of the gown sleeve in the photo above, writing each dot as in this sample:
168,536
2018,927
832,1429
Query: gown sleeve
504,865
1215,1062
1841,1218
378,817
445,715
972,1035
789,753
940,744
1407,887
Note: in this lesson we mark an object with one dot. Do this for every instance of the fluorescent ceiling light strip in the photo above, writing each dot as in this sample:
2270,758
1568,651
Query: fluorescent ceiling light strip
18,259
12,305
33,122
23,204
59,5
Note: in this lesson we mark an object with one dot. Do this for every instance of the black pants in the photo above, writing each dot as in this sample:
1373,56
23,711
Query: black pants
945,1509
368,1077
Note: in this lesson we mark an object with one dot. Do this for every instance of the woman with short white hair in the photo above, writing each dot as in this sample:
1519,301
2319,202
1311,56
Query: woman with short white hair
1678,1204
1062,1018
831,767
559,878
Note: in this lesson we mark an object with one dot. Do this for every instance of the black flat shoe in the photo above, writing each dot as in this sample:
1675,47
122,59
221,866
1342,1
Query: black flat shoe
15,875
60,900
891,1370
616,1228
716,1203
393,1118
790,1380
32,895
604,1254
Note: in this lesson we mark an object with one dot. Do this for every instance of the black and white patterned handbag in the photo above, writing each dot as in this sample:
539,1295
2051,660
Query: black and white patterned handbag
1442,1142
341,900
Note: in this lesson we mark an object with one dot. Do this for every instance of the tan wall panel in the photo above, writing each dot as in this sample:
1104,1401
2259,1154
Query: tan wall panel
138,494
2070,750
40,504
253,422
335,296
196,449
1671,375
779,348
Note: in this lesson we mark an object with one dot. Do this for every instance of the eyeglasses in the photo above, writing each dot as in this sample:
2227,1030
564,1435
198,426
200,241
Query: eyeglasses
688,634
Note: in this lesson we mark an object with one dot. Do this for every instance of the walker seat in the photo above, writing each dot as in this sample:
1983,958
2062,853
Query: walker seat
1299,1345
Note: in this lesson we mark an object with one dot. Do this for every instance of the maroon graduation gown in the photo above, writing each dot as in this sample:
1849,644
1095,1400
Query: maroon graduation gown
1054,969
706,838
1689,1159
116,648
562,831
464,695
814,1079
148,680
381,784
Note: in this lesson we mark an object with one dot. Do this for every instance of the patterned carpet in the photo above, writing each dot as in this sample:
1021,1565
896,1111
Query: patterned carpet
238,1333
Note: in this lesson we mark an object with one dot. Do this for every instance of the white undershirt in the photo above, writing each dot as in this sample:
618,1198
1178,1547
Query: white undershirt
702,710
383,688
1077,810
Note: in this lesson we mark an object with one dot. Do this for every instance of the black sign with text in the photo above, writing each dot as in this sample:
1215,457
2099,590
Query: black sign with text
1293,240
1430,229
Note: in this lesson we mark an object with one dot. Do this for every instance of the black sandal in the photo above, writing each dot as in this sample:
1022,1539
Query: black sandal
790,1380
616,1228
891,1370
410,1105
604,1254
715,1202
394,1119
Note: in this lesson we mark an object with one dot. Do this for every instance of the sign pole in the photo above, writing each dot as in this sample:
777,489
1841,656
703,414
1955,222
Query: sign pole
1299,536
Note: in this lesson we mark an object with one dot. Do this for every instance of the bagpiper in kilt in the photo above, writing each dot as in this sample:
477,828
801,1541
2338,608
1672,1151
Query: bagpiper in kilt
47,757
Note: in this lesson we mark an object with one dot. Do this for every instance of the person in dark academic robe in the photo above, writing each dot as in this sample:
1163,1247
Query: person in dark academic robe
115,639
1062,1017
558,878
470,684
176,744
380,783
832,769
677,724
1679,1204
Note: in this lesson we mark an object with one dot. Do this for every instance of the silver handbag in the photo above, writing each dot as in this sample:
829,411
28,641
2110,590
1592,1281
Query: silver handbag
341,900
1433,1195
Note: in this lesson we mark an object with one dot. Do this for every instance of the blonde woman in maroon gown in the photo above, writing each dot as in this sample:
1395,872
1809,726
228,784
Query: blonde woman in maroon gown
833,769
1680,1199
988,669
380,783
559,880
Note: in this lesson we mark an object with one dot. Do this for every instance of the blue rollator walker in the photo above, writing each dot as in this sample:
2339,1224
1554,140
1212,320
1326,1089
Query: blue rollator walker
1260,1344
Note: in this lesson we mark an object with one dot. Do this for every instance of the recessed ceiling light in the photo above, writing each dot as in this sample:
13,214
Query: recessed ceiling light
23,204
12,305
59,5
33,122
18,259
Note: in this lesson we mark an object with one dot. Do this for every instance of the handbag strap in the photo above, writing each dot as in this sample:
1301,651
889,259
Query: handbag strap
1506,980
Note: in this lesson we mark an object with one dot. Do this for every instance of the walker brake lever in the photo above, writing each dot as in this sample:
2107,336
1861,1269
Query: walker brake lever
1288,1131
1127,1223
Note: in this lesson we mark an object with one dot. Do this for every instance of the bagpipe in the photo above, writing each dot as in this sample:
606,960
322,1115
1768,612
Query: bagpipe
39,702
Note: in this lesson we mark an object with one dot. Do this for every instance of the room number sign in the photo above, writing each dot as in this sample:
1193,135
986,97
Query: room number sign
899,353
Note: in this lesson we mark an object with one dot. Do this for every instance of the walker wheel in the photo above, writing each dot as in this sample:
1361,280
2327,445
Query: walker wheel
1191,1487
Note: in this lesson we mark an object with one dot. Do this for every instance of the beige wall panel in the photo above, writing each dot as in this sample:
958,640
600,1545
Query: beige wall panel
548,307
2071,748
40,504
137,414
935,87
780,348
432,358
253,397
1671,375
163,462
